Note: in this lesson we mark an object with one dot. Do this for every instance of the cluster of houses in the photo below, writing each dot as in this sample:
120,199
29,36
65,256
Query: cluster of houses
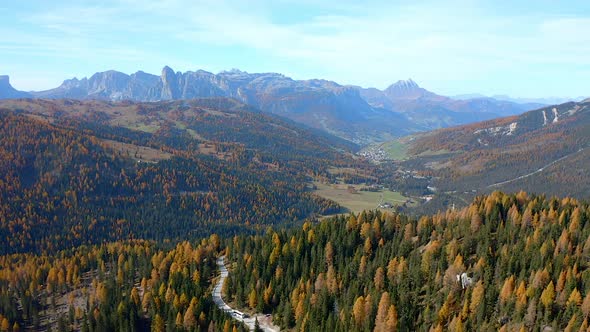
374,153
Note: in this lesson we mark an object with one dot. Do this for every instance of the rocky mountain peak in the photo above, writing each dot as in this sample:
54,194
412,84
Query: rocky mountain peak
167,72
403,85
110,75
72,83
169,84
168,76
405,89
406,84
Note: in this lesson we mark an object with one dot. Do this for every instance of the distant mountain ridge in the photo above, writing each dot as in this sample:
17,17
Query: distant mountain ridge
544,101
354,113
433,111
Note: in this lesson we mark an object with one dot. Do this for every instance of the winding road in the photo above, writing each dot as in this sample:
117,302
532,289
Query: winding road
264,321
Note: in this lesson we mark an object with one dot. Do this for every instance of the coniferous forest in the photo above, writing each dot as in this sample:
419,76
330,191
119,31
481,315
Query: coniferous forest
120,286
527,256
308,166
110,226
66,182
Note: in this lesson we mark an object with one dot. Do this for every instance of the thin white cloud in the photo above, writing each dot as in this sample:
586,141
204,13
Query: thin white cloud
369,45
444,37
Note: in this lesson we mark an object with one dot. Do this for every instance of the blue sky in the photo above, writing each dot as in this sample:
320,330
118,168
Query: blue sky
529,49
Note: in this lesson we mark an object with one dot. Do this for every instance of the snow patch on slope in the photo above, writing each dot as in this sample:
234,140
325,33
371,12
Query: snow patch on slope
556,116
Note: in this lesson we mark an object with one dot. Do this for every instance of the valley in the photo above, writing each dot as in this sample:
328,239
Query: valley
297,166
136,204
541,151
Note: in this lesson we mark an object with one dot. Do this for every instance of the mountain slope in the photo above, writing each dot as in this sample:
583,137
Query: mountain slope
522,260
546,150
81,172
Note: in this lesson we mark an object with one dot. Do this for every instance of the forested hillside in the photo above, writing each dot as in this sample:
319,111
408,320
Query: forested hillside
76,173
527,256
122,286
542,151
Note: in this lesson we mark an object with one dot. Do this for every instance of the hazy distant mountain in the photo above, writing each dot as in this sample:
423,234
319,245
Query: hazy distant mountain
432,111
360,115
545,101
469,96
7,91
110,85
407,90
539,101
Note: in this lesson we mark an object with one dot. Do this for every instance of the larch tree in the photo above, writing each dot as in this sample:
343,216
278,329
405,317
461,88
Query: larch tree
382,308
379,279
358,311
507,289
477,296
158,324
548,295
586,305
392,320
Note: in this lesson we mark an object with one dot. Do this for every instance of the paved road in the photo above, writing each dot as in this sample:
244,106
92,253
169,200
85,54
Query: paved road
264,321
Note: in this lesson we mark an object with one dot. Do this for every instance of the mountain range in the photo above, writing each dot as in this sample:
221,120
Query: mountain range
358,114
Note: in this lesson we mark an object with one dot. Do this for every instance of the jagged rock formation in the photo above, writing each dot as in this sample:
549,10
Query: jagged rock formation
320,104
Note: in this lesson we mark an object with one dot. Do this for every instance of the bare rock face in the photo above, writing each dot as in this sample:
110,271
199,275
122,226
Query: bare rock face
7,91
109,85
169,84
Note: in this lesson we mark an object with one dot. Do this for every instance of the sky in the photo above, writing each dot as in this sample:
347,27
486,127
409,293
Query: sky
537,48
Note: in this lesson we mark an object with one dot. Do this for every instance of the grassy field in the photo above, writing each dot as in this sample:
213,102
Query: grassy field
137,152
395,150
360,200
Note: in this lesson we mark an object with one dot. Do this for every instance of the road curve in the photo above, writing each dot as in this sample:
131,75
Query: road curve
264,321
